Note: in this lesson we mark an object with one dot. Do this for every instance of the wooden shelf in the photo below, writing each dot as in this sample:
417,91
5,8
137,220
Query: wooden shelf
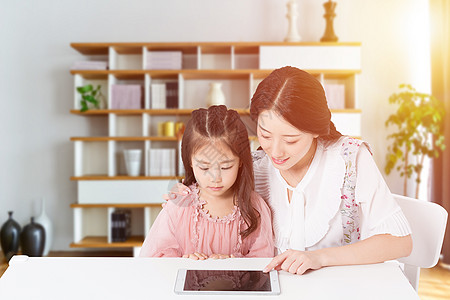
155,112
131,138
111,111
125,138
105,177
346,111
116,205
126,74
170,74
207,74
237,68
188,47
178,112
102,242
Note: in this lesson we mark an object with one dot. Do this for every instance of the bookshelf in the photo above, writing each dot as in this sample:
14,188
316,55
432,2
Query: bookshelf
99,169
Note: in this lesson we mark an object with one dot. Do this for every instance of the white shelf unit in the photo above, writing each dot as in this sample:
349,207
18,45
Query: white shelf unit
240,67
92,224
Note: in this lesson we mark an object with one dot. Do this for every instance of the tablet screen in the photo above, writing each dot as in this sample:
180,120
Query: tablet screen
227,280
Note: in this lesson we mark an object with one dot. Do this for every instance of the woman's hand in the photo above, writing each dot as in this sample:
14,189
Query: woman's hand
175,191
196,256
375,249
295,262
221,256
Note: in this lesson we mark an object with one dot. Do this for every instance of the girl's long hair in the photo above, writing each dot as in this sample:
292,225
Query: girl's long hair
220,123
299,98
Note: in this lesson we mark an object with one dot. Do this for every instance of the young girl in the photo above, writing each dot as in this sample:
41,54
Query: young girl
221,216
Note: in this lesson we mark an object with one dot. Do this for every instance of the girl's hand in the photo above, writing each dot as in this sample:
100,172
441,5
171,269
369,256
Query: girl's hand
177,189
221,256
196,256
295,262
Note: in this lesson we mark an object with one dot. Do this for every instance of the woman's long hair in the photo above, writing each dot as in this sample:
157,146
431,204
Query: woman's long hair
220,123
299,98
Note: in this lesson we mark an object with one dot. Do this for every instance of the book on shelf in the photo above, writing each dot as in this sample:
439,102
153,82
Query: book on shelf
164,95
335,94
115,225
172,94
89,65
126,96
162,162
158,95
120,225
163,60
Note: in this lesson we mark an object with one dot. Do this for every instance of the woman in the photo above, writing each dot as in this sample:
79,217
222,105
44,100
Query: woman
330,203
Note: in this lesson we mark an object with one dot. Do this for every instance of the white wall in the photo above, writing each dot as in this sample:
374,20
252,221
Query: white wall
36,156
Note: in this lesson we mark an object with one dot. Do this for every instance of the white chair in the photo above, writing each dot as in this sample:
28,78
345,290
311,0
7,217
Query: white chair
428,222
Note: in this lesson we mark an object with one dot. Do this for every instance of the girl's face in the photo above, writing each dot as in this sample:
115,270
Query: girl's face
215,169
283,143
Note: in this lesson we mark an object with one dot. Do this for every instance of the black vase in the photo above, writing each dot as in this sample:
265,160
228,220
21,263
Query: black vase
32,239
9,237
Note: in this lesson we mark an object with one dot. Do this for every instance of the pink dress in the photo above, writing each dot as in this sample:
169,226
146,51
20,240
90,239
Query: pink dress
183,227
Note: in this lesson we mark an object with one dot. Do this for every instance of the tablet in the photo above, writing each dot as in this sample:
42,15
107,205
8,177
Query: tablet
227,282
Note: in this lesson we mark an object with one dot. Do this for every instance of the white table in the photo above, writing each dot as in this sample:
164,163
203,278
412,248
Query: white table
153,278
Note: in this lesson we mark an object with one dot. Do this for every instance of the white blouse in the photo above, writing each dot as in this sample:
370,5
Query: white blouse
312,220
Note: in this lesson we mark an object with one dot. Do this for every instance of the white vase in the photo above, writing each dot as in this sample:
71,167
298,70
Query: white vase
215,94
102,103
45,221
132,161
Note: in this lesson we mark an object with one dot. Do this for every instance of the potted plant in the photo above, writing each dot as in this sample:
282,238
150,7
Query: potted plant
419,121
89,95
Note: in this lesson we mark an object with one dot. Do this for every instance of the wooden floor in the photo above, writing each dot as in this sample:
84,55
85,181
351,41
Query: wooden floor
434,283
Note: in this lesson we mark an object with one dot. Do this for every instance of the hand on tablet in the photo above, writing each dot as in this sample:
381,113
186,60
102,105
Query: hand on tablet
202,256
295,262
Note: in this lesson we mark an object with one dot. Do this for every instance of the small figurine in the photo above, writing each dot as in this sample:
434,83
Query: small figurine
292,15
329,35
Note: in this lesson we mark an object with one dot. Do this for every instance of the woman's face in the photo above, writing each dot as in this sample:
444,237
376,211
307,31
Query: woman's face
215,169
283,143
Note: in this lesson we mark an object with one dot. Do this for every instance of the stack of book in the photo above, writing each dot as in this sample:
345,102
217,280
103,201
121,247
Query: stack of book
162,162
164,95
90,65
120,225
335,94
126,96
163,60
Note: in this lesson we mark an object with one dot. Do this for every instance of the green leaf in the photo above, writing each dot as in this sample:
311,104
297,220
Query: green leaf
84,106
90,99
85,89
